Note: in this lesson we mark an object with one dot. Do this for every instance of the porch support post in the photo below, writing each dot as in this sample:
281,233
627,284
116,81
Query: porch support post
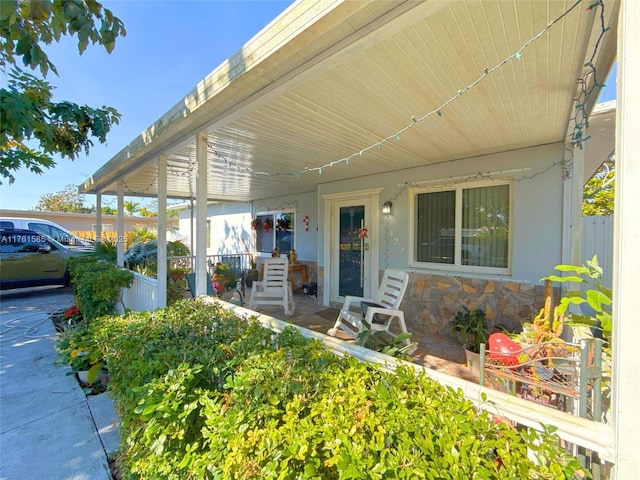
98,217
162,232
201,214
626,255
120,226
577,189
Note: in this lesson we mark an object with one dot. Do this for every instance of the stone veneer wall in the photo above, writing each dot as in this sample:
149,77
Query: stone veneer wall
432,301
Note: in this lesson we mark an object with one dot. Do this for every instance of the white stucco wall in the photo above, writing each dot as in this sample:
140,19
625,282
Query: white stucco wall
231,224
537,188
230,227
537,205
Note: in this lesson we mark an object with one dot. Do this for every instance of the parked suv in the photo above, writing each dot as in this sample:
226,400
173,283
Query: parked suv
29,258
48,228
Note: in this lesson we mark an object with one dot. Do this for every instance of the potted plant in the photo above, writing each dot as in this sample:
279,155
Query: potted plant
64,318
177,273
472,330
225,276
176,285
76,348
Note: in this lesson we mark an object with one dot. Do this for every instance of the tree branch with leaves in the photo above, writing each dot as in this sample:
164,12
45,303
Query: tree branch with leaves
599,191
33,128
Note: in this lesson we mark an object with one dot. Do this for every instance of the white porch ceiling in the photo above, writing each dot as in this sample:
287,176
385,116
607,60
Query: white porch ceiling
328,79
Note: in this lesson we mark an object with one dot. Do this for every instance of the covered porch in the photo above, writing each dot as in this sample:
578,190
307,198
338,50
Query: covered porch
373,101
437,352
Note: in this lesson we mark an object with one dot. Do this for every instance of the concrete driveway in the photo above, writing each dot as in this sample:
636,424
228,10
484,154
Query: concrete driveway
47,429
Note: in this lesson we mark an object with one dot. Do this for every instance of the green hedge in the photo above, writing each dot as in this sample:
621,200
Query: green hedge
96,285
204,394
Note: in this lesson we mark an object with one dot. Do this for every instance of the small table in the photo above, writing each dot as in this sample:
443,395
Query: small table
296,267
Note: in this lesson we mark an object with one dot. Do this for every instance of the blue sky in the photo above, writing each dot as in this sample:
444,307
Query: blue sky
170,46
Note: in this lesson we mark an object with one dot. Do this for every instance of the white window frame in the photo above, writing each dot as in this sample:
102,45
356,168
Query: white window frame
274,214
457,264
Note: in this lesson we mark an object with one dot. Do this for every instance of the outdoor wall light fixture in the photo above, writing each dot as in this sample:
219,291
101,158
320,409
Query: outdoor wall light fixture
386,208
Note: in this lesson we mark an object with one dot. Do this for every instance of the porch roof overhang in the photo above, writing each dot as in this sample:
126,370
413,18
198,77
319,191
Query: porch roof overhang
330,79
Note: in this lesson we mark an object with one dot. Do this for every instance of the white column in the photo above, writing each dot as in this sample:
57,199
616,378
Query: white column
120,226
201,214
577,193
572,211
626,254
162,231
98,217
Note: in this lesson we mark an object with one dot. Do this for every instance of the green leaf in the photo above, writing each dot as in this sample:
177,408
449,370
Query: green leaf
596,299
28,120
555,278
94,372
580,270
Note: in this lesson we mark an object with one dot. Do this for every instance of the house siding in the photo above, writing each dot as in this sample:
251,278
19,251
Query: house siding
434,296
536,174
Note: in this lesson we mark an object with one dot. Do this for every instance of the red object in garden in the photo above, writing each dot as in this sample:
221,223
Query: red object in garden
72,312
502,348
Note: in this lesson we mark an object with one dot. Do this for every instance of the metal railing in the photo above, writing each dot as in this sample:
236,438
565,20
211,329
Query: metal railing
238,261
143,293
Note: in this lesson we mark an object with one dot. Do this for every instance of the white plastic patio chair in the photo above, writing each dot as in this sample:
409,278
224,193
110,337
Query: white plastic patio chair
274,288
379,312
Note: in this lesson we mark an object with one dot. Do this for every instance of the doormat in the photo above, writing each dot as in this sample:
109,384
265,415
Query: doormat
328,314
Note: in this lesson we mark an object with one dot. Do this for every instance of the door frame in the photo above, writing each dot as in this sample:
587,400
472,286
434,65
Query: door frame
329,239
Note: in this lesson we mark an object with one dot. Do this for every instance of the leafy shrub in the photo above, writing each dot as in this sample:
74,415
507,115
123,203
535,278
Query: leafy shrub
205,394
143,257
76,348
471,328
596,296
383,342
96,285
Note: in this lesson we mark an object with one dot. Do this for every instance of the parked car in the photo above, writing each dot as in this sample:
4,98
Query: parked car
48,228
29,258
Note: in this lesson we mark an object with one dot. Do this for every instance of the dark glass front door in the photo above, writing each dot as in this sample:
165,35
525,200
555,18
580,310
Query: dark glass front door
352,250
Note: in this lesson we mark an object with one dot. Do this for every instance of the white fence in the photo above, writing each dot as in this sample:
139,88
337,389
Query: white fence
142,295
597,239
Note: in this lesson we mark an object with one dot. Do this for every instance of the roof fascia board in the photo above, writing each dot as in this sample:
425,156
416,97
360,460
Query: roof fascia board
296,20
178,124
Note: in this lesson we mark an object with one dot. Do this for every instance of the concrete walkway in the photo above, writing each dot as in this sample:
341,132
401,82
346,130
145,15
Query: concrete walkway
48,428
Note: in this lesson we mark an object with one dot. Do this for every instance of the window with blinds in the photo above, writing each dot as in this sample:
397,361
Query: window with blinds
465,226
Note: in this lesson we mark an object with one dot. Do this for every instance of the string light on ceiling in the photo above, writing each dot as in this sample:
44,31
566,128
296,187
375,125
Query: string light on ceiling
579,120
588,86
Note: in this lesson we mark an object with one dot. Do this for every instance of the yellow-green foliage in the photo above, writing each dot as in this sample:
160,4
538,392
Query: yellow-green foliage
205,394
